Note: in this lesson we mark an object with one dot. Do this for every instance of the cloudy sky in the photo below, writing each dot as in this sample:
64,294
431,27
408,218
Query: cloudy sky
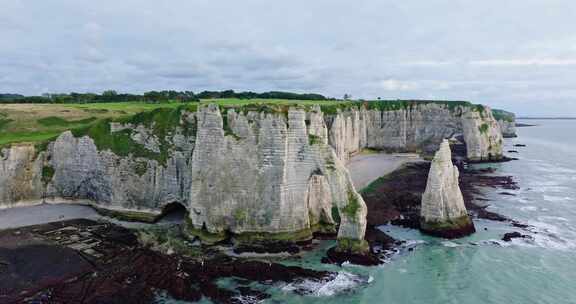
514,54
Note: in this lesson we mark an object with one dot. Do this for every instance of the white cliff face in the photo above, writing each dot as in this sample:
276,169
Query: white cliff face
507,122
106,180
254,172
267,176
20,176
508,128
482,135
442,202
416,128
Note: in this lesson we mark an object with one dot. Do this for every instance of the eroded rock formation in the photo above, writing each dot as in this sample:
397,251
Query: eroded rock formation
443,212
251,173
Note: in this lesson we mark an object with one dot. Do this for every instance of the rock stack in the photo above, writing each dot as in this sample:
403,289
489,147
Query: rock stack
443,212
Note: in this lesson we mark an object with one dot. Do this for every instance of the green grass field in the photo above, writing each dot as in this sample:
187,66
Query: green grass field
29,123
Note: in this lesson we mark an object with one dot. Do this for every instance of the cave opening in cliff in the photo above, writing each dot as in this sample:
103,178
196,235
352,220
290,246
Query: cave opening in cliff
173,212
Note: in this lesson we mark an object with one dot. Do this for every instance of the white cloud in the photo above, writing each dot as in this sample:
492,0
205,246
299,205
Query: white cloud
398,85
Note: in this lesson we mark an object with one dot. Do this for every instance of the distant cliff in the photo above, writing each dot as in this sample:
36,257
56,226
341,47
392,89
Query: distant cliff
251,172
506,121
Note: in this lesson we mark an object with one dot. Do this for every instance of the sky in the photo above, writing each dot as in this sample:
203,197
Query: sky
518,55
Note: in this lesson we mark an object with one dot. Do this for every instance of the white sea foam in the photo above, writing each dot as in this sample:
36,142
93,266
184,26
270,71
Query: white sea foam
247,300
548,236
451,244
493,242
342,282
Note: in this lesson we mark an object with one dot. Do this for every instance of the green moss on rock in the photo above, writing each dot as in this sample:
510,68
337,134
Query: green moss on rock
484,128
336,214
351,209
313,139
204,235
352,246
140,168
47,174
451,224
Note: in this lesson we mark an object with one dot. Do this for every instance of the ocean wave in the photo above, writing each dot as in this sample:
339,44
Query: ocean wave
491,242
247,300
528,208
451,244
557,199
342,282
547,235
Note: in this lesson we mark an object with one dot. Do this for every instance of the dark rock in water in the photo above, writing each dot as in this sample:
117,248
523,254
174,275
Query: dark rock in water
268,247
334,256
520,225
410,221
376,237
514,235
512,151
519,145
507,193
381,244
455,232
504,159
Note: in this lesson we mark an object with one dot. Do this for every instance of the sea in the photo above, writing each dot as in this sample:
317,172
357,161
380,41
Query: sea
480,268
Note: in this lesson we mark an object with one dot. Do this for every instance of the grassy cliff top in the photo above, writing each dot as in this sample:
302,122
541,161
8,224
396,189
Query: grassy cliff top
503,115
31,123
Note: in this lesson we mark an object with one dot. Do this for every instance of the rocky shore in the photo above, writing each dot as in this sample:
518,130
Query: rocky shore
99,262
395,198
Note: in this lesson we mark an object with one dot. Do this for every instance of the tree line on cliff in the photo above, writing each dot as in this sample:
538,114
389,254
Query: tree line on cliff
154,96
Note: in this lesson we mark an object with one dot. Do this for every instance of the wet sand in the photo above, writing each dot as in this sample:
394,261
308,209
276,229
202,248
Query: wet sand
49,213
365,168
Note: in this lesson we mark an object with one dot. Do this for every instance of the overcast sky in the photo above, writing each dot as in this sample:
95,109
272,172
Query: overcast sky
513,54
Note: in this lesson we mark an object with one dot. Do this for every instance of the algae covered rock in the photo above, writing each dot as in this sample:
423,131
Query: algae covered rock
443,212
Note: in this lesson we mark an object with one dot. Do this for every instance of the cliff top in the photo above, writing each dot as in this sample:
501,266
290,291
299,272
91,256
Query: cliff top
33,123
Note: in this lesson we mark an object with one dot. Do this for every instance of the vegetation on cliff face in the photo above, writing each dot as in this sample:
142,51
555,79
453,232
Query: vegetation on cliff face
313,139
163,123
352,245
47,174
353,206
484,128
503,115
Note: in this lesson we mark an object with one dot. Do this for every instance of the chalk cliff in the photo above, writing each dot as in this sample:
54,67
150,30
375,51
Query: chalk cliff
443,212
252,173
507,122
416,127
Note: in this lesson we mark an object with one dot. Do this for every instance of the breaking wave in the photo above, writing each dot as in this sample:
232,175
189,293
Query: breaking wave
342,282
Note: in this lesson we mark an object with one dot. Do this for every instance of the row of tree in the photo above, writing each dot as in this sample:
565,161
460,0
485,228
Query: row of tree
152,97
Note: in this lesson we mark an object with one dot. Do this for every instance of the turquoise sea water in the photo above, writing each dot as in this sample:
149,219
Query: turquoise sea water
479,268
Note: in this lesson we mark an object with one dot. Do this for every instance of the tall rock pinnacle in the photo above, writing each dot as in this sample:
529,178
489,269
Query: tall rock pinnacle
443,212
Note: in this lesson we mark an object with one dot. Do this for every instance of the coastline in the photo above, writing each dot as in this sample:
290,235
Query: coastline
408,173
